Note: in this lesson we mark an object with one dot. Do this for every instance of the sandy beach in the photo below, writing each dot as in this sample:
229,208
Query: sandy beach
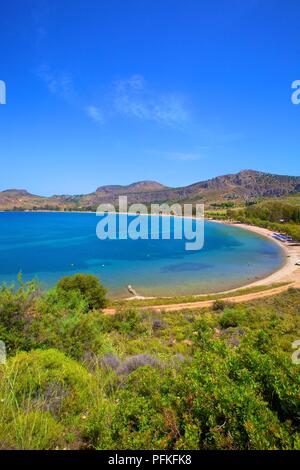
289,274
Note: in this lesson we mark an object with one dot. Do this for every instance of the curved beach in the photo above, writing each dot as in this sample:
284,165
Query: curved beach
288,274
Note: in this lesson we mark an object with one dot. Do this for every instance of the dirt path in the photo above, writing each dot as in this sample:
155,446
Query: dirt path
209,303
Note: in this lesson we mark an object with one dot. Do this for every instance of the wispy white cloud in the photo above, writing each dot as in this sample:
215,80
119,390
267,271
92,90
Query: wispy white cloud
58,83
94,113
61,84
176,156
133,98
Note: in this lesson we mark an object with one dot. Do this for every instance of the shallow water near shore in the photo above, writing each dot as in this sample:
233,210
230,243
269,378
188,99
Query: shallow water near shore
47,246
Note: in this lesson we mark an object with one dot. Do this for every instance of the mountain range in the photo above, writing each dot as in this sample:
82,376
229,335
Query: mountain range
247,185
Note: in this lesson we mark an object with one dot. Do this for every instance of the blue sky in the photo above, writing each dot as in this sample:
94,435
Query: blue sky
113,91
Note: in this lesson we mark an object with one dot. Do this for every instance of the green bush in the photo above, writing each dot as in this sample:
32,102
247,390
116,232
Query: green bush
277,378
231,317
88,285
219,305
34,430
16,306
46,380
124,322
220,398
57,318
143,418
44,388
61,322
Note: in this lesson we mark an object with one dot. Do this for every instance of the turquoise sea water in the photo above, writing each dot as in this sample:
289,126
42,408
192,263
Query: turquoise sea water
48,246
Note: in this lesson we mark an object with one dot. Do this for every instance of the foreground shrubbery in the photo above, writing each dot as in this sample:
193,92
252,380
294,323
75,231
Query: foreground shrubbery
59,318
206,379
47,399
87,285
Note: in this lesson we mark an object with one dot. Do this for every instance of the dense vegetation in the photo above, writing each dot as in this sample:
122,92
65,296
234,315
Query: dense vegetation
281,215
204,379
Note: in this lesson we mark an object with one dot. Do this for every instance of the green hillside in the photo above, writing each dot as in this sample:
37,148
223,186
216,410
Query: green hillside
220,378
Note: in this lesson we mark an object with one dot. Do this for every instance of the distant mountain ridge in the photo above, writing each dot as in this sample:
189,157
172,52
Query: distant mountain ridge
140,186
253,183
242,186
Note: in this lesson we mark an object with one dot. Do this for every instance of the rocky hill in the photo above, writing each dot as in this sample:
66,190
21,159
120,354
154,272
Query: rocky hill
240,187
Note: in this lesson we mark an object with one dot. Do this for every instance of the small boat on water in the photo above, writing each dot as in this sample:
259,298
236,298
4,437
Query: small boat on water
298,263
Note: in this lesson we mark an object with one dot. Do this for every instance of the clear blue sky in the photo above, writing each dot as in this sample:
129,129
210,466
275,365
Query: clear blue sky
113,91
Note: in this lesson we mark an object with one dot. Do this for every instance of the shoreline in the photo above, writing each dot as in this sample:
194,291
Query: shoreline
288,273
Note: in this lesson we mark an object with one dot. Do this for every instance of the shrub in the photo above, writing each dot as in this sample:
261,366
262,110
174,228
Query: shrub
219,305
143,418
43,394
15,315
88,285
130,364
203,332
34,430
124,322
71,331
231,317
276,378
110,361
219,396
57,318
46,380
134,362
158,324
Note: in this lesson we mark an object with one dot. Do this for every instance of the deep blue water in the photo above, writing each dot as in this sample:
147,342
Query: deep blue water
48,246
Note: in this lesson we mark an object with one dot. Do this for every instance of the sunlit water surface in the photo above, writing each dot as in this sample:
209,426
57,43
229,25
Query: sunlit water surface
47,246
